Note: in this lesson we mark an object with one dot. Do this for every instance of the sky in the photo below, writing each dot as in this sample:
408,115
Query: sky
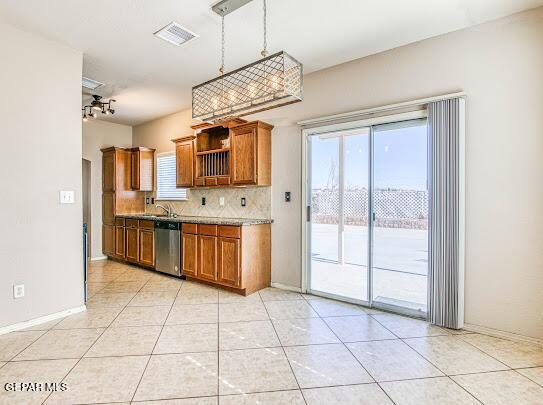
400,159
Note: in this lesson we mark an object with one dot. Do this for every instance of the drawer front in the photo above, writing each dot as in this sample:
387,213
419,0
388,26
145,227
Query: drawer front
190,228
199,181
210,181
210,230
131,223
146,224
223,181
119,221
228,231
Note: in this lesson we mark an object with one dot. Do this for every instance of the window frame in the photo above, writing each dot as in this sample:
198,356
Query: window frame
182,190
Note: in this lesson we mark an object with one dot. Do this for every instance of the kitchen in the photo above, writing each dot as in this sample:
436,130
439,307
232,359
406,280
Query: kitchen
271,202
234,253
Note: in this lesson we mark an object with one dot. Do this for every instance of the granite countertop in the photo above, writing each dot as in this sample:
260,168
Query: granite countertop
199,220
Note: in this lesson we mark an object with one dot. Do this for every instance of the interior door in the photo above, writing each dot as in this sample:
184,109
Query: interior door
338,194
400,217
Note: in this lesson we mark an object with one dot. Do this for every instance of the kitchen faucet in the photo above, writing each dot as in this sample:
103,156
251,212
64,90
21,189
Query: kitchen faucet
167,209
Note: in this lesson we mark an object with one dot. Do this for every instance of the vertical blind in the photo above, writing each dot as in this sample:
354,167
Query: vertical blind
446,262
165,175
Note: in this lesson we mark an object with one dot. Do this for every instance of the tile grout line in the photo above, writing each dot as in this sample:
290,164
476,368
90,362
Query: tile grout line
352,354
156,342
81,358
282,348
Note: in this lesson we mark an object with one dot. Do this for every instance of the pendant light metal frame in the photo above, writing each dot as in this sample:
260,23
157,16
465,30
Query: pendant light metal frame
273,81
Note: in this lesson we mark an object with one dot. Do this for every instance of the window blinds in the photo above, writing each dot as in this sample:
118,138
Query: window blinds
166,189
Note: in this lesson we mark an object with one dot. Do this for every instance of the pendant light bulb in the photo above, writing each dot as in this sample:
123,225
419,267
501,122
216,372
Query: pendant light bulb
85,119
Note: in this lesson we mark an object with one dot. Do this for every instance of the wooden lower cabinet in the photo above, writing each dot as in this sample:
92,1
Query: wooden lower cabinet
132,245
147,247
189,247
119,242
228,261
108,240
238,258
207,257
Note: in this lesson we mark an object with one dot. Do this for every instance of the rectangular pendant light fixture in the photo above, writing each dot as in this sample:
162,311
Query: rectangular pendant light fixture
271,82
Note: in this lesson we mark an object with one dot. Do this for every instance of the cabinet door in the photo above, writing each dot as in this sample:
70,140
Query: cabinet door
132,245
147,247
108,208
228,257
189,246
119,242
244,164
108,171
108,240
184,160
135,170
207,257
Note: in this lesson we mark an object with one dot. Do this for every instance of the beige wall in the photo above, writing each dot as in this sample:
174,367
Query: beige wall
499,65
97,135
40,242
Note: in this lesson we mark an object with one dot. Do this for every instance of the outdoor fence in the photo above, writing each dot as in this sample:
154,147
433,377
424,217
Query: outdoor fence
393,208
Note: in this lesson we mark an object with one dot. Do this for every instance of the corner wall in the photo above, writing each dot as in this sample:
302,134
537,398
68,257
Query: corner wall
97,135
41,240
498,64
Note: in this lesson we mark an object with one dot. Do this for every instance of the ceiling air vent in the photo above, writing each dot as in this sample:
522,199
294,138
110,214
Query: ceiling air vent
175,34
91,84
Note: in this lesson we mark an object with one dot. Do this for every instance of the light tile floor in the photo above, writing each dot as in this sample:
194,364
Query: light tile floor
150,339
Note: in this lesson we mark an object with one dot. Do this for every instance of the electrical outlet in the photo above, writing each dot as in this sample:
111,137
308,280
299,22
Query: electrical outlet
221,201
19,291
67,197
203,201
147,200
243,202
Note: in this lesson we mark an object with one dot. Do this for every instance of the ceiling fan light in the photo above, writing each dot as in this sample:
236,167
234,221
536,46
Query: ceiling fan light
85,119
110,111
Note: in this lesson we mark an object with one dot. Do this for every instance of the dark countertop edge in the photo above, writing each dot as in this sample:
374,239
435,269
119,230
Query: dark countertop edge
202,220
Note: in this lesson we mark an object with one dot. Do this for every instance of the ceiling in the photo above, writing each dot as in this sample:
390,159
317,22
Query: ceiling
150,78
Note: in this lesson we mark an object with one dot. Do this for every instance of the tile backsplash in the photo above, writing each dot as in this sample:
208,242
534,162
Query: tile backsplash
258,203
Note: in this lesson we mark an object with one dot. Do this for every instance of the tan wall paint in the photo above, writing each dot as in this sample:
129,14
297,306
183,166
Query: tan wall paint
498,65
97,135
40,242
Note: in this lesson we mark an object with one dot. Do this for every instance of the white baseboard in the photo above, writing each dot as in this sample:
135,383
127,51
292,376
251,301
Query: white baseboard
502,334
95,259
41,319
286,287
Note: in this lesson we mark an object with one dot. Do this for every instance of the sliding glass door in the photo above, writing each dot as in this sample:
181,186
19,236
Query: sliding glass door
400,216
338,187
368,215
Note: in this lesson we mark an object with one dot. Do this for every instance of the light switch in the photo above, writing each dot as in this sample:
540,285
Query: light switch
67,197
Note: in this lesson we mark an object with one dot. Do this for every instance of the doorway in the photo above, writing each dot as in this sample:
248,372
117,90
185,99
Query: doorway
367,215
86,200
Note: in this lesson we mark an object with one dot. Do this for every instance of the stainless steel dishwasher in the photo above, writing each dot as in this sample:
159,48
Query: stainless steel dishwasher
168,247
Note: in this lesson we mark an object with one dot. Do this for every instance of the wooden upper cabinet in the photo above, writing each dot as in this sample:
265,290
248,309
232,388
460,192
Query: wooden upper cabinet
184,161
251,153
244,163
207,257
189,247
229,261
108,171
142,169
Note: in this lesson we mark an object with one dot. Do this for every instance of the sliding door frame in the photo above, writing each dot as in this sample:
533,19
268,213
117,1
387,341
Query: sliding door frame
306,134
